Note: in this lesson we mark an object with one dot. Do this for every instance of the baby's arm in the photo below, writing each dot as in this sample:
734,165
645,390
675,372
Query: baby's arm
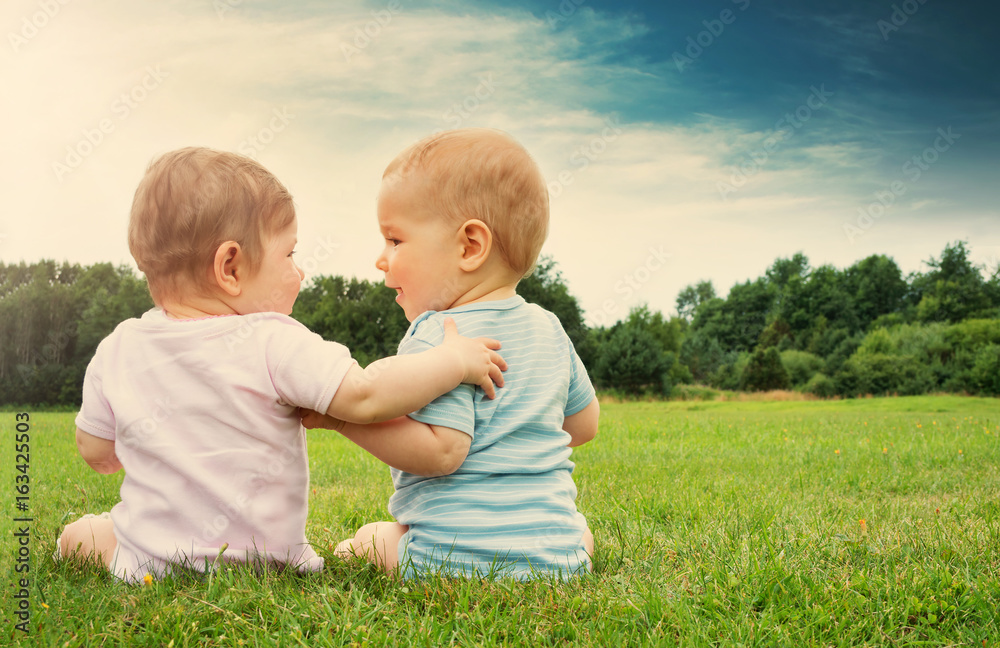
97,452
403,443
582,426
401,384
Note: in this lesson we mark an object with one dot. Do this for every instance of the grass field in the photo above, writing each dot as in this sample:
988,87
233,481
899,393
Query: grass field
847,523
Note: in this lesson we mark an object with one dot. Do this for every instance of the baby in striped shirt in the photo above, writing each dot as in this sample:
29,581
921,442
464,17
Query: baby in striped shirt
484,487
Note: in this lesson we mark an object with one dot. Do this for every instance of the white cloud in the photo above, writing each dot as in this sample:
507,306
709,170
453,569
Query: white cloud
326,118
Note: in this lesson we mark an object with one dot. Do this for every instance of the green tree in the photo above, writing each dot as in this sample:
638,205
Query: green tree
954,289
737,321
985,372
776,334
877,286
782,270
547,288
801,366
824,293
883,373
702,355
821,385
633,360
109,295
668,332
693,296
38,317
764,371
360,314
52,316
992,287
729,374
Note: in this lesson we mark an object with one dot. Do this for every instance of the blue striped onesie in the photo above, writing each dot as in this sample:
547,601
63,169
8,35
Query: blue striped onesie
509,510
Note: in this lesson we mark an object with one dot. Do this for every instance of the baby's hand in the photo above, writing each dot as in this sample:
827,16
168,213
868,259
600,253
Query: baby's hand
482,365
312,419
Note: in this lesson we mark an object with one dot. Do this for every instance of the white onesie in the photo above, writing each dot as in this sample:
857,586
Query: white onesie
203,416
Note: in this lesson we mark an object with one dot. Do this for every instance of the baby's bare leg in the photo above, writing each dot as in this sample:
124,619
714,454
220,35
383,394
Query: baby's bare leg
87,538
377,543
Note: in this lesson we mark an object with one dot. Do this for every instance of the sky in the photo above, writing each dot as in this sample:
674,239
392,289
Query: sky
681,141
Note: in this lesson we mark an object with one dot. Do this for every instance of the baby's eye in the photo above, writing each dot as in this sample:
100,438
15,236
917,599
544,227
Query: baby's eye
394,242
292,253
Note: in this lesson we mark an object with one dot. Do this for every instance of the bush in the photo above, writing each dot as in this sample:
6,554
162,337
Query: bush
726,377
920,358
633,360
973,333
926,341
985,374
844,349
702,354
729,374
889,320
764,371
880,373
679,373
821,385
801,366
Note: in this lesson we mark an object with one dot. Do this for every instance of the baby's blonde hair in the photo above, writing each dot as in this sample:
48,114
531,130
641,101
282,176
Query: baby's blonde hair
192,200
485,174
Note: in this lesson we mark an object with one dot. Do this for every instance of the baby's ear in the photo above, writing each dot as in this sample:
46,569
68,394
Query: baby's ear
228,267
477,243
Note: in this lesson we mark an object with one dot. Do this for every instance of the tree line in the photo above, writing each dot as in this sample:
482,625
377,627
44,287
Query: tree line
866,329
52,317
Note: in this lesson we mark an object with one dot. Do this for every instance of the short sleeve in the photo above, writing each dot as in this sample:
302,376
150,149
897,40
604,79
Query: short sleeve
96,417
456,409
581,390
306,370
